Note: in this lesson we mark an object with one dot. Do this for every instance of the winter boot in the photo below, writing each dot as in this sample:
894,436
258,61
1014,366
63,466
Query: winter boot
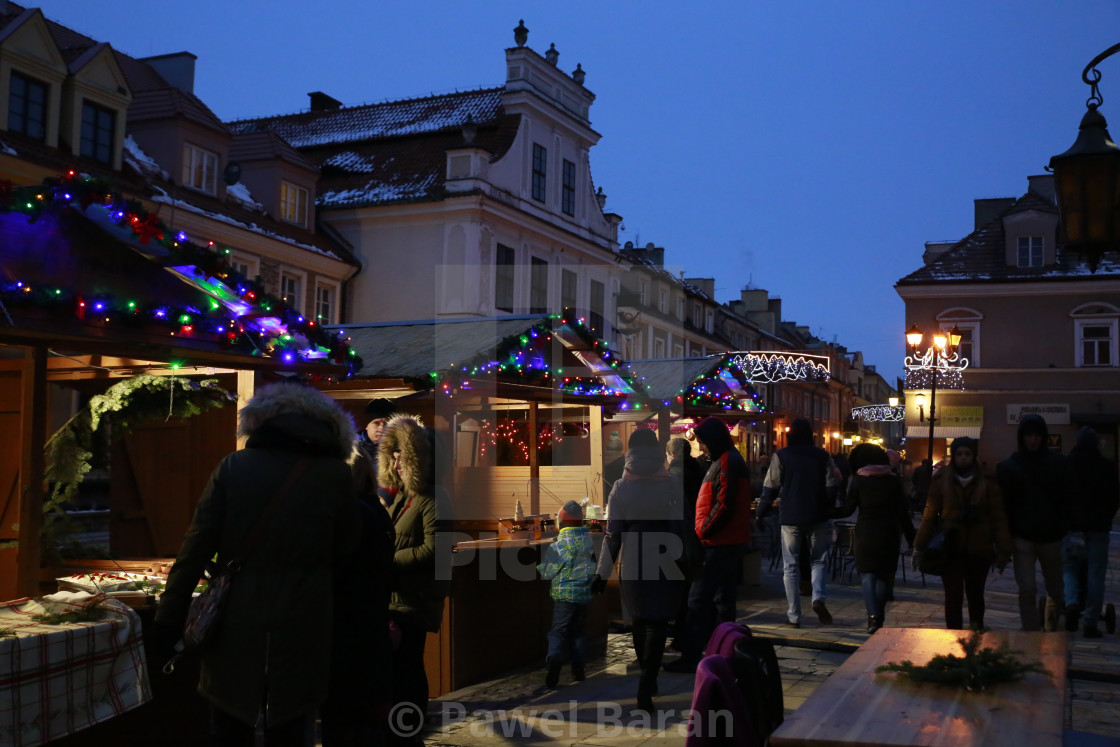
552,676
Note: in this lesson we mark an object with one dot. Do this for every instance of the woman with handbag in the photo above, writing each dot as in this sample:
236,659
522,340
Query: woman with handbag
275,513
968,508
884,518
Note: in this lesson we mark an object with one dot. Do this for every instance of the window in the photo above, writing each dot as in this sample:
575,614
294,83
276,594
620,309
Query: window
680,309
662,300
658,348
1030,251
27,107
538,287
200,169
678,351
696,316
597,303
540,171
97,132
503,279
569,289
709,320
325,304
1096,342
293,204
568,193
967,321
290,291
247,267
643,293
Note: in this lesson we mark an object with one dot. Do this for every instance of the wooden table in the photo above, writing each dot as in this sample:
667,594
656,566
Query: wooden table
857,706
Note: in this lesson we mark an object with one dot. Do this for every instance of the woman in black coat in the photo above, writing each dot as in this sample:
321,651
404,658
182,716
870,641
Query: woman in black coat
884,517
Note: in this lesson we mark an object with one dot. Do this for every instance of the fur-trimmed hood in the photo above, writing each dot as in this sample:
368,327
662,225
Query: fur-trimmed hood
293,414
406,434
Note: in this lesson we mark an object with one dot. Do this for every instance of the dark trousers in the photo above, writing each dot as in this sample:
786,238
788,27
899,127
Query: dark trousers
567,641
649,646
228,731
717,581
410,681
964,576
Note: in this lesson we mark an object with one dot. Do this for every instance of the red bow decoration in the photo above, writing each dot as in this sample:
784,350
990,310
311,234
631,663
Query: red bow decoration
147,228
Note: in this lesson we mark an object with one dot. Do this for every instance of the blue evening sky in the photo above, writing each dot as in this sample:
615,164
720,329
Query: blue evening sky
802,146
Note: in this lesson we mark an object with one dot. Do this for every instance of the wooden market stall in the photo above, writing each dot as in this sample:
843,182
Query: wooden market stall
95,293
518,402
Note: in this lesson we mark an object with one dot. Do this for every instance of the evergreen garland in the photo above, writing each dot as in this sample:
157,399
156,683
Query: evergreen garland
976,670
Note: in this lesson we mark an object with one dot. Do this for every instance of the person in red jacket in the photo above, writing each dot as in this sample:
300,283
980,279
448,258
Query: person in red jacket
723,524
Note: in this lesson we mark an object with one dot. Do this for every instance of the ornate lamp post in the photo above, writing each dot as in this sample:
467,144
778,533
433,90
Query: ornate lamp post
938,365
1087,179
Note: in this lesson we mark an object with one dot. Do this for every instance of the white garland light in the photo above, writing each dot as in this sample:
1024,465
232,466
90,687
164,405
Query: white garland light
879,413
923,370
770,367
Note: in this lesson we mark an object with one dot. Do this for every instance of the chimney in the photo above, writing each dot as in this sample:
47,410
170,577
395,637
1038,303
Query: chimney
775,307
655,254
321,102
934,250
987,210
708,285
1043,186
177,69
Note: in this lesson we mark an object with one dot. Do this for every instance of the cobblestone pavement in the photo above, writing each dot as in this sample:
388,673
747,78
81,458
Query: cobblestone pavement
601,709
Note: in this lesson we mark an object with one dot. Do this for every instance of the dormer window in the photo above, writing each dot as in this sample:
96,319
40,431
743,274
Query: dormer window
27,107
97,132
200,169
293,203
1030,251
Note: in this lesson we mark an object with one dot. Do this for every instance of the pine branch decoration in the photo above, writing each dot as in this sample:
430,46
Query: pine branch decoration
976,670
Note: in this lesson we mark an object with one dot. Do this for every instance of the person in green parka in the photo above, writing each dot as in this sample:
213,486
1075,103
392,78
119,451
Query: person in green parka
267,669
420,511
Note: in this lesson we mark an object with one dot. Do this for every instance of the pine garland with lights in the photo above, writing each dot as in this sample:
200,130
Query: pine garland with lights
241,315
976,670
123,407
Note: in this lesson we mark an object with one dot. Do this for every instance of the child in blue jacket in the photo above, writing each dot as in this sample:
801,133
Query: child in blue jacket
569,564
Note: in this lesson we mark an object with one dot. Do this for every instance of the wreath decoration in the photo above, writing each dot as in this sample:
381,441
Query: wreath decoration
130,403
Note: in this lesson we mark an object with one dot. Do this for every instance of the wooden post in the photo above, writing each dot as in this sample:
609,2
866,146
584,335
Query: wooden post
33,413
246,388
534,461
663,427
595,426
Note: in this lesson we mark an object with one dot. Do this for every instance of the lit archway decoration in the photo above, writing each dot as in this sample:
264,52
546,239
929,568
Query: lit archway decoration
879,413
769,367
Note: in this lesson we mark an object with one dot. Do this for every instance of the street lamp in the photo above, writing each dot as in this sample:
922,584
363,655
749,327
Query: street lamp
1087,179
938,365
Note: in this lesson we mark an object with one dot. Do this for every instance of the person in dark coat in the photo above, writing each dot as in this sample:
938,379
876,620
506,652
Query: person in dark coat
968,506
884,518
690,472
801,474
919,484
1094,496
644,531
421,516
376,415
269,664
723,525
1035,487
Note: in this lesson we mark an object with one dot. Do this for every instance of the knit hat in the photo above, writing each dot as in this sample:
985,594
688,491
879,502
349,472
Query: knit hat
714,434
380,408
964,442
1087,437
642,437
571,513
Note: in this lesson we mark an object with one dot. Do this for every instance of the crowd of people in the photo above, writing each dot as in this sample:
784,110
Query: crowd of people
344,512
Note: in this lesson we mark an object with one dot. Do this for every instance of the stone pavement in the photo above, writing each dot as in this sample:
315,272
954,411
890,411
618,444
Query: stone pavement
601,709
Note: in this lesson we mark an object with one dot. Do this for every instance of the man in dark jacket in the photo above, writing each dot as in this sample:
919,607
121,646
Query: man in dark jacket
690,472
1094,495
723,525
1035,487
801,474
376,416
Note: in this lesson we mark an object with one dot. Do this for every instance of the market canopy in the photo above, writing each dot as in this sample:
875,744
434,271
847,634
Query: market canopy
83,271
708,383
531,356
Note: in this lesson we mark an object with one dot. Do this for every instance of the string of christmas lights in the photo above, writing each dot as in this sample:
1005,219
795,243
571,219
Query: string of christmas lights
772,367
879,413
239,314
946,370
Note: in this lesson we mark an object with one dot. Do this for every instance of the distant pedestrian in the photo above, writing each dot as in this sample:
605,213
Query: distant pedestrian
968,506
1035,486
1094,495
569,564
376,415
690,472
644,530
723,525
919,485
801,474
884,518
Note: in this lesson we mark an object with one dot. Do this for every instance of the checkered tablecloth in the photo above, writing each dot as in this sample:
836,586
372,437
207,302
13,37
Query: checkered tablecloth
58,679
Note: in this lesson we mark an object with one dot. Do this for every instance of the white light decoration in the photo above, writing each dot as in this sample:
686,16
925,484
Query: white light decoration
769,367
934,365
879,413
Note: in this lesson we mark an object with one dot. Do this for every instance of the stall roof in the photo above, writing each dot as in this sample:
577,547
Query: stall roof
84,273
460,353
709,383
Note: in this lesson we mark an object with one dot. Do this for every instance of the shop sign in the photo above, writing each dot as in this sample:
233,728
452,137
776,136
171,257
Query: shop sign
1053,414
963,416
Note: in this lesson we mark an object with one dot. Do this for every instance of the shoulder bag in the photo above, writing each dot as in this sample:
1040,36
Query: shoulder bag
936,555
205,612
